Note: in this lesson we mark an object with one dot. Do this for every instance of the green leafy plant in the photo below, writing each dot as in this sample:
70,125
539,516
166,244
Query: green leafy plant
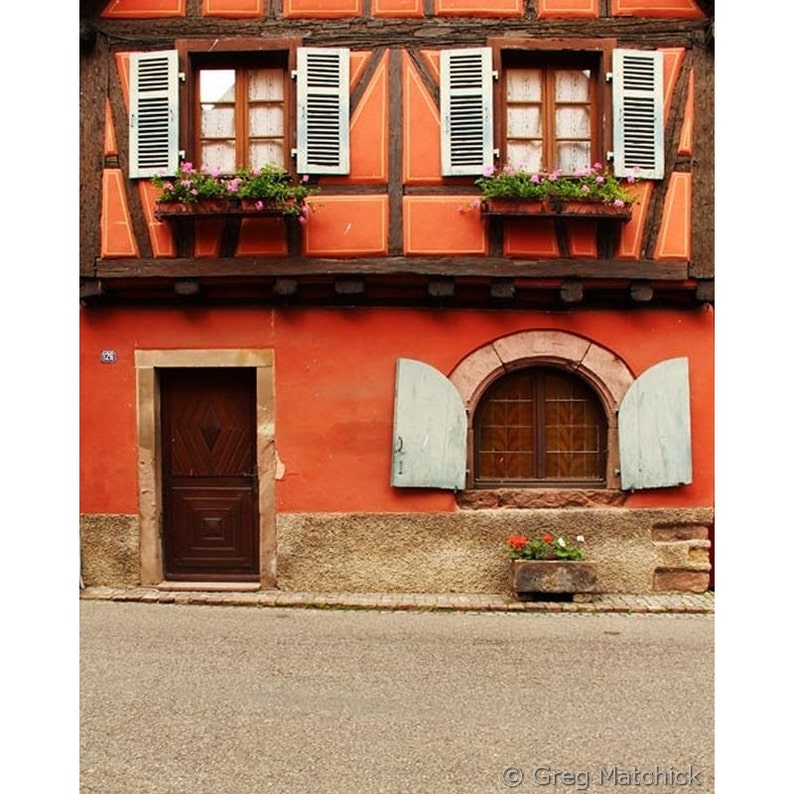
595,183
544,547
189,185
266,187
273,185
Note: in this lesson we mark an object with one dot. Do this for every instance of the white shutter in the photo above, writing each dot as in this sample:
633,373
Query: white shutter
466,111
654,428
323,110
429,440
154,117
638,110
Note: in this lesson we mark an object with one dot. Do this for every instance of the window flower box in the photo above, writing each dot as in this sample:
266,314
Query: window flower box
218,208
555,208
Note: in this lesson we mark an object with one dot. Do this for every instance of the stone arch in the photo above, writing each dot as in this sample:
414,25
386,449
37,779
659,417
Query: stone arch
603,370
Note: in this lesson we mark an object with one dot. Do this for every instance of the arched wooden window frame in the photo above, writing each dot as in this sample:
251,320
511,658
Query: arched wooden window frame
537,375
607,375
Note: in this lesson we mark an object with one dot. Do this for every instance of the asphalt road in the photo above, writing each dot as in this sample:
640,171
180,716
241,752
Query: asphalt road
235,700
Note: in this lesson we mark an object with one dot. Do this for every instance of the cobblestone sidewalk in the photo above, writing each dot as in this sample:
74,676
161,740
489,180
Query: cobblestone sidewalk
476,602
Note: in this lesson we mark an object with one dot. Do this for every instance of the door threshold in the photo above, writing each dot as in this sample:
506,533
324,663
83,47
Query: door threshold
211,587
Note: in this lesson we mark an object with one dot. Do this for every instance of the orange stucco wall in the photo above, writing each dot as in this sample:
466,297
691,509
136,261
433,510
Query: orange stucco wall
334,384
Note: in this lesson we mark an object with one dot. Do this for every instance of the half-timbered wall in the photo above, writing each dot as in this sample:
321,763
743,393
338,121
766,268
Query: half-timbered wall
396,263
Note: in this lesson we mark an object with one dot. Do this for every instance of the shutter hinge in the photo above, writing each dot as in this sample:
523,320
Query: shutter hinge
294,74
181,155
609,77
496,154
182,77
495,74
610,157
293,153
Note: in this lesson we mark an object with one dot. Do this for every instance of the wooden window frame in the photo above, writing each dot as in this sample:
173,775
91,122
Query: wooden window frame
239,54
558,51
539,427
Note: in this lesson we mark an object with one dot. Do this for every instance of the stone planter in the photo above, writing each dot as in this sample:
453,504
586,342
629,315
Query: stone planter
532,579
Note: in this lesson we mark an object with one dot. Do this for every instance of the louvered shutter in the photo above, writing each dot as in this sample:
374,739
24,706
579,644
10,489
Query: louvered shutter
654,428
323,111
466,111
638,110
429,440
154,117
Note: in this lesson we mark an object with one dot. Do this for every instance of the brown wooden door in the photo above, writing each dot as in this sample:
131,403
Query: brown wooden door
210,502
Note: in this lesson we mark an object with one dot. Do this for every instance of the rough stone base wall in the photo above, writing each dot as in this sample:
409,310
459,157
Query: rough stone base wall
109,550
636,551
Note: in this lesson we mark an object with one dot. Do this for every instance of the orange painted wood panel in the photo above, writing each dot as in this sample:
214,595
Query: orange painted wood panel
347,226
674,240
233,9
323,9
670,9
397,8
262,237
673,61
530,238
443,226
358,62
160,232
421,130
582,239
144,9
688,128
111,144
116,235
207,237
560,9
369,130
630,244
123,68
480,8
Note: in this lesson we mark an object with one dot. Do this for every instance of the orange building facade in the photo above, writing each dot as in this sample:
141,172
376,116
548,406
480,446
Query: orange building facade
375,396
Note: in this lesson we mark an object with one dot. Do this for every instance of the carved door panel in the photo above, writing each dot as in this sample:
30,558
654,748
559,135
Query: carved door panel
210,503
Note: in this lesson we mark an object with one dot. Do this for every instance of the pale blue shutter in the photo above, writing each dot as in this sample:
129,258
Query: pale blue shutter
654,428
429,440
154,117
323,111
638,112
466,111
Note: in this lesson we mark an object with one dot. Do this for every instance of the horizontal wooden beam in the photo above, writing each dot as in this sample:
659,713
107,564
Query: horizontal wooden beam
458,267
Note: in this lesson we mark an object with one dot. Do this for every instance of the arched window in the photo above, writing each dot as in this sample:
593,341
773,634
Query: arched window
540,426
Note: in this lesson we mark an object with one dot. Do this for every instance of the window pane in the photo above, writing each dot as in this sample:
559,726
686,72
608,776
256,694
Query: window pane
216,85
524,121
265,85
573,122
219,154
527,154
572,85
266,121
217,122
572,157
266,153
523,85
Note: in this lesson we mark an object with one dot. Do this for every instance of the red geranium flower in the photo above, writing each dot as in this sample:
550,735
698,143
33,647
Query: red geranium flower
517,542
547,538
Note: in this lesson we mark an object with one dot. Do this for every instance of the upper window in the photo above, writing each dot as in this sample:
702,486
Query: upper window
550,107
242,115
242,103
557,105
539,426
